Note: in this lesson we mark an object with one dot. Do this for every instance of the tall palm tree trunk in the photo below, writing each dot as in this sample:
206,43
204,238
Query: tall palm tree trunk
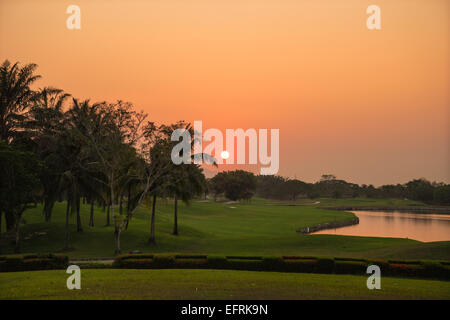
175,211
49,202
152,226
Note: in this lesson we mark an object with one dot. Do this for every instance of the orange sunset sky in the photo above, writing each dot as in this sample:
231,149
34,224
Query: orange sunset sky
370,106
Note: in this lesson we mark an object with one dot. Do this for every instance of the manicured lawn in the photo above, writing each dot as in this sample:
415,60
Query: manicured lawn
211,284
359,202
258,228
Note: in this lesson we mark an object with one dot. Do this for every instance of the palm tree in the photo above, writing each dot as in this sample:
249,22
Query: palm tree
185,182
44,123
15,97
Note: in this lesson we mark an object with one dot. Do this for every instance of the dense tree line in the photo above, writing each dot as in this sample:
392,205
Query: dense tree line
276,187
54,147
234,185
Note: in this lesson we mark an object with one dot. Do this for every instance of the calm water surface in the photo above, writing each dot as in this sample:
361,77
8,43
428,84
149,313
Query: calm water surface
417,226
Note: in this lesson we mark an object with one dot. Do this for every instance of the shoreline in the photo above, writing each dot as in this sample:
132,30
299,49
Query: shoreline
329,225
438,210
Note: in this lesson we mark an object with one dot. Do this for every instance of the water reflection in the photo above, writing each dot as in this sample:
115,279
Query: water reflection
422,227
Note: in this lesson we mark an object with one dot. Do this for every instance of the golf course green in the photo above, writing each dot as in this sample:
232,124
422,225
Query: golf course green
257,228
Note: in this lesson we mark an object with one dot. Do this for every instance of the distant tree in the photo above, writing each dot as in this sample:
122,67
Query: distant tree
240,184
419,189
312,194
217,184
370,191
442,195
293,188
328,177
235,185
270,186
337,194
19,184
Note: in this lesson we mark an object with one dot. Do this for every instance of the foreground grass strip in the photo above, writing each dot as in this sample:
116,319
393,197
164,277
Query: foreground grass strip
211,284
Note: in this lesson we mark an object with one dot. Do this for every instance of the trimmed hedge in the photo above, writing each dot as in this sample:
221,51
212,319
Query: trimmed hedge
325,265
217,262
408,270
300,265
33,262
303,264
272,263
433,269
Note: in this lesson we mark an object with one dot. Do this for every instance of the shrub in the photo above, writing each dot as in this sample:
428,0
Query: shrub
12,264
163,261
94,265
401,269
37,264
297,257
136,263
325,265
33,262
305,264
405,262
190,263
244,257
350,267
434,269
30,256
350,259
117,263
245,264
135,256
190,256
300,265
273,263
383,264
217,262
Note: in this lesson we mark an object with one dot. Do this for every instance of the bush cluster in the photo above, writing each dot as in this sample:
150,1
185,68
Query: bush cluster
302,264
33,262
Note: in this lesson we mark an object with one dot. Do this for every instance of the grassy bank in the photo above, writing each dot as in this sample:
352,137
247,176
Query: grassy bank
218,228
211,284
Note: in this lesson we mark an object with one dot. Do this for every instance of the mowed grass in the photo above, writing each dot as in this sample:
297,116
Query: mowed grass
211,284
256,228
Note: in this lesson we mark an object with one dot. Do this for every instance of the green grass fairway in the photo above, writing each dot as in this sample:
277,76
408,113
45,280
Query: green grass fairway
211,284
258,228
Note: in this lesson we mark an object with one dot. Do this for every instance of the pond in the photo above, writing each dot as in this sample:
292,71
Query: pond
417,226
